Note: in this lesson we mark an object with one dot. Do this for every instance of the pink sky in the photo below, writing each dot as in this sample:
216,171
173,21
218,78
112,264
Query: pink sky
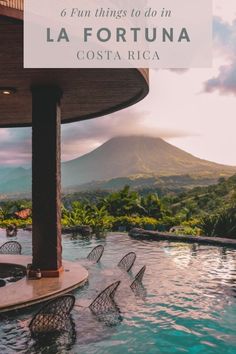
178,103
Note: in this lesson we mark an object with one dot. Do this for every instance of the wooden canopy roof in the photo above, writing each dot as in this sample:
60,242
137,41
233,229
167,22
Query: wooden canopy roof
87,93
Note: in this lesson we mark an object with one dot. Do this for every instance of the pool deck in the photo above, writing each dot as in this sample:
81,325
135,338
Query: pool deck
155,235
26,292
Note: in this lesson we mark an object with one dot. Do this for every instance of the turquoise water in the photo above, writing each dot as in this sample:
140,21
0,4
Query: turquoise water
187,305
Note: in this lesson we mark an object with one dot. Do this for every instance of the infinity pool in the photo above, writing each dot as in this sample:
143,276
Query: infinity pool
187,305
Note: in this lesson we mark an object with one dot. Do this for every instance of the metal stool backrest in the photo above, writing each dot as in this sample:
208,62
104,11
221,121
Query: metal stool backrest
11,247
139,277
127,262
104,301
53,316
96,254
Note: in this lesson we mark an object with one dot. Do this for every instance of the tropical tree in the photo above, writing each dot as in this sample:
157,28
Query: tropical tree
78,214
152,205
124,202
100,220
221,224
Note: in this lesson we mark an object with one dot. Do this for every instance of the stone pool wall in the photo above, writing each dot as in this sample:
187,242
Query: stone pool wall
155,235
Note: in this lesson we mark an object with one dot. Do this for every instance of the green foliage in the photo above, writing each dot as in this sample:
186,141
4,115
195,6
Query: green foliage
201,201
78,214
152,205
124,202
85,197
100,220
7,213
209,211
188,231
220,224
8,208
207,225
130,222
18,222
85,214
166,222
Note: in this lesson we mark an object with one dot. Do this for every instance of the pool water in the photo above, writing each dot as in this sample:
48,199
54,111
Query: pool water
10,273
187,303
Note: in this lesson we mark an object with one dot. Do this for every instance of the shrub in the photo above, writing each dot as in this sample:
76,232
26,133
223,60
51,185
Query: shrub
167,222
188,231
130,222
82,214
221,224
18,222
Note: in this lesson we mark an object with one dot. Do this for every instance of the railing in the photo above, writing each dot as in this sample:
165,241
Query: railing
13,4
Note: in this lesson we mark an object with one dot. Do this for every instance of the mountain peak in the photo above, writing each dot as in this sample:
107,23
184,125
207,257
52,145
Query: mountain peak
124,156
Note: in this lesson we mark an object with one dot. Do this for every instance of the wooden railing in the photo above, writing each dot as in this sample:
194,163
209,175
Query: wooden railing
13,4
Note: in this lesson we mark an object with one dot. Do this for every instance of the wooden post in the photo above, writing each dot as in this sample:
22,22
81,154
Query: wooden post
46,179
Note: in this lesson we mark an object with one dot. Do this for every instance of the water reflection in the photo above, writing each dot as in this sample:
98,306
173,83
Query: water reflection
187,301
55,342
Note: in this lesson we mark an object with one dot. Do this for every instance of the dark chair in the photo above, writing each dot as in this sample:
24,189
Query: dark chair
139,277
127,262
53,342
104,302
96,254
54,316
2,283
11,247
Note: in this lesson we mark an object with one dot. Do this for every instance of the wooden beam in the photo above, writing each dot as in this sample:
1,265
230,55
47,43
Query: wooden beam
46,179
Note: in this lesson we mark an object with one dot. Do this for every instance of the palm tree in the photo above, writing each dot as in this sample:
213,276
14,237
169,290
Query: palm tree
124,202
152,205
221,224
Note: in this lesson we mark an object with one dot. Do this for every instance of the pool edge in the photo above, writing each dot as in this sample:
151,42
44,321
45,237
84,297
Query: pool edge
141,234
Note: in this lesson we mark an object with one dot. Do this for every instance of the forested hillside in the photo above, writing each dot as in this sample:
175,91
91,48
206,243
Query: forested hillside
207,211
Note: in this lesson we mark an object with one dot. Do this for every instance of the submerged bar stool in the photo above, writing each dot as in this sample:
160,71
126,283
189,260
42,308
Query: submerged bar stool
105,300
127,262
54,316
96,254
11,247
138,278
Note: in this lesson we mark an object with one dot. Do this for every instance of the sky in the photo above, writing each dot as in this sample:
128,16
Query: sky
192,109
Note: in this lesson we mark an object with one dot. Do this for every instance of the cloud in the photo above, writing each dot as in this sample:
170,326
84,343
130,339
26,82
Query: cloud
82,137
224,82
225,46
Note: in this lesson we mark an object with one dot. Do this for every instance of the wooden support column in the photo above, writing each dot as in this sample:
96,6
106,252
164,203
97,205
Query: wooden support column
46,179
